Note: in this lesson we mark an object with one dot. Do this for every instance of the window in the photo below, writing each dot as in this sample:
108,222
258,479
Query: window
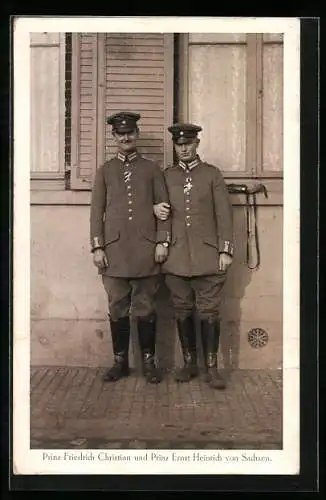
47,110
232,85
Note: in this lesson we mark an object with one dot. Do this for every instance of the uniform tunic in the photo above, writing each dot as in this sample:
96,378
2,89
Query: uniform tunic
202,223
122,219
202,228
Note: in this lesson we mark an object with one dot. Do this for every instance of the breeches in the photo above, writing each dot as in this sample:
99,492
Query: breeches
131,296
203,293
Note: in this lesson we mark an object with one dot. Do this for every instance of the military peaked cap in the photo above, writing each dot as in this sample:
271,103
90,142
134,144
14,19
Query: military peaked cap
184,132
124,121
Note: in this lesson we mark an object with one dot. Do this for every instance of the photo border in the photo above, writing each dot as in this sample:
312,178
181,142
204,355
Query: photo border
308,301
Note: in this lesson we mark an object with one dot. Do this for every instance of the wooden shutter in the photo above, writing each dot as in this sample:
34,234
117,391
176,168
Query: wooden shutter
84,83
123,71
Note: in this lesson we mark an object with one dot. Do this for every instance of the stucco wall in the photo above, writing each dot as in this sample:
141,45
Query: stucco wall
68,304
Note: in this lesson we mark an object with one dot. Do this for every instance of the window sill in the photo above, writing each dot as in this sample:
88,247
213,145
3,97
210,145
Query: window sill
48,197
274,189
44,197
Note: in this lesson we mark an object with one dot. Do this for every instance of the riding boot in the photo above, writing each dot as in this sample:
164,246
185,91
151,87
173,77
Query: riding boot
187,337
120,334
210,334
147,339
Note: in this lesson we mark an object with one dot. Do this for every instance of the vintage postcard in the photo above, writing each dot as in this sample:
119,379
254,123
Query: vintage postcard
99,105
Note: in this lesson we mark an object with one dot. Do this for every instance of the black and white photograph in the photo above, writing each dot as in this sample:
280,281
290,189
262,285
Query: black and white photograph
156,198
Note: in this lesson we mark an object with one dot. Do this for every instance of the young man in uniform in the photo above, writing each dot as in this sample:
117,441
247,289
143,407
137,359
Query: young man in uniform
129,243
200,252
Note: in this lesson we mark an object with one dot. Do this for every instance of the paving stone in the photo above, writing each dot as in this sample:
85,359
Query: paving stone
187,446
113,445
160,445
211,446
36,443
139,445
80,442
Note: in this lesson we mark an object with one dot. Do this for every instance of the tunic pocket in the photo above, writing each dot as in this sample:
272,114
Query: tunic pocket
112,237
211,242
148,235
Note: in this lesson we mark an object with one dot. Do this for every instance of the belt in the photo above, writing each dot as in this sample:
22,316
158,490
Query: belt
251,212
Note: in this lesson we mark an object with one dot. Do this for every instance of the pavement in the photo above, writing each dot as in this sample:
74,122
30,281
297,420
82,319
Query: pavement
72,408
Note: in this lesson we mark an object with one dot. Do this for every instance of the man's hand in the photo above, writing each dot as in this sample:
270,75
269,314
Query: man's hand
161,253
99,258
162,210
225,261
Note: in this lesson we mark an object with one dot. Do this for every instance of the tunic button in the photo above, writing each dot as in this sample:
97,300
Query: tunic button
128,186
129,202
187,200
130,218
187,208
130,210
188,216
129,194
188,224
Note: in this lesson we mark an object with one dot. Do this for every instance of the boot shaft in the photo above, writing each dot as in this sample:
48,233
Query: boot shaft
147,343
120,334
187,337
147,336
210,335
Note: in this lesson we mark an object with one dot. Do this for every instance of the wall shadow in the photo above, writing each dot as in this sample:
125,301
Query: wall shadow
239,277
167,333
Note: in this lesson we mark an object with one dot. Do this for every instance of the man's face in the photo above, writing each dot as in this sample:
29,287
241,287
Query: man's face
188,151
126,141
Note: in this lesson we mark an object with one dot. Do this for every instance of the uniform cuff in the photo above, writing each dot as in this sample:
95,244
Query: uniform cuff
163,236
226,246
97,242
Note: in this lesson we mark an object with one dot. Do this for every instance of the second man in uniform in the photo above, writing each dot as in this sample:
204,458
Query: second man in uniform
200,252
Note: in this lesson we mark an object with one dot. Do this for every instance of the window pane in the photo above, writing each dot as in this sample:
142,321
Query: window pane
273,107
273,37
217,102
45,108
217,37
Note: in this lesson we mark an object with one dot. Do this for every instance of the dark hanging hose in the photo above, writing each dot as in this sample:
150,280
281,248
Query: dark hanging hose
251,206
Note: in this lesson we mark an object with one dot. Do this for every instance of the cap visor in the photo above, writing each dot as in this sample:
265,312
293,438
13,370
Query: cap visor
184,140
124,130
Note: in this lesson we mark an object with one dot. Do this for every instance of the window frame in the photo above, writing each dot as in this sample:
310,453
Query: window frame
254,120
47,180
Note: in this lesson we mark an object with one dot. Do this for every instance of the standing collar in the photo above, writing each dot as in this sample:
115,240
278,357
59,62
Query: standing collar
131,157
189,166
